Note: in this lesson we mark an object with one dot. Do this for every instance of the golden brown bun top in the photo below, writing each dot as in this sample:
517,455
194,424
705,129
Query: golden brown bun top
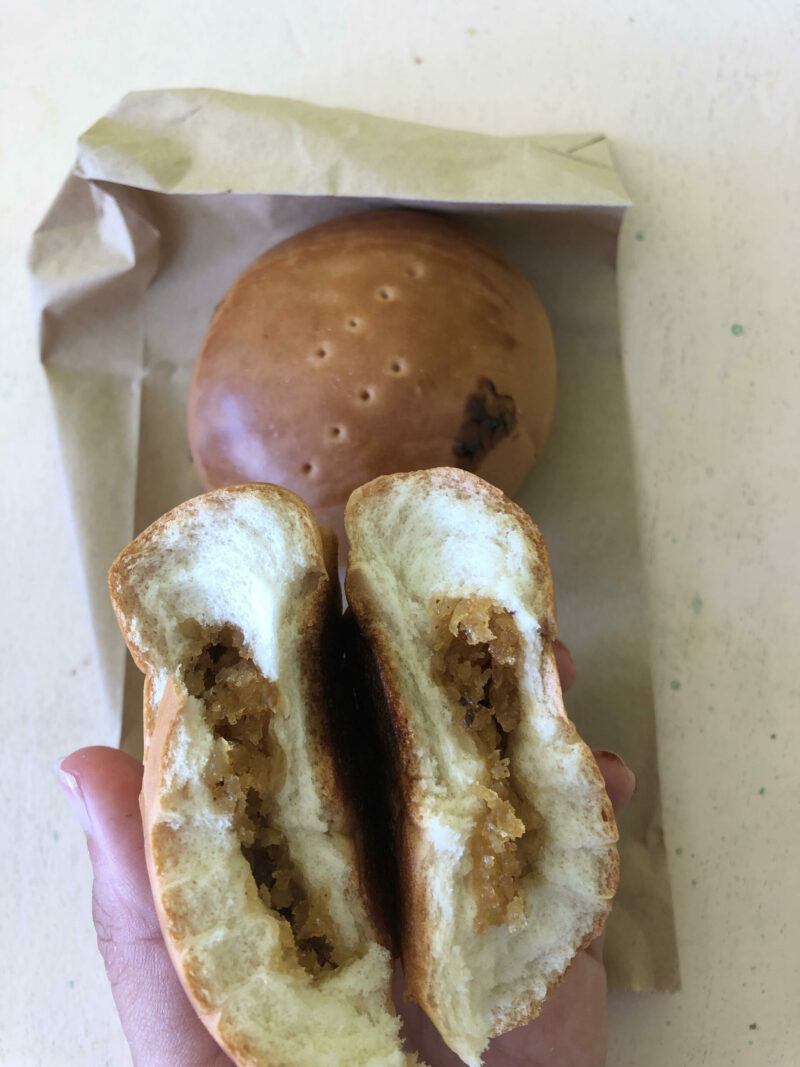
376,343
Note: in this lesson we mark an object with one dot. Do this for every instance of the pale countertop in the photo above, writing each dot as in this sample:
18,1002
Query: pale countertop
701,102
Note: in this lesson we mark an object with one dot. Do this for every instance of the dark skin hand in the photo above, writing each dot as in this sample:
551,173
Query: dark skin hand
159,1022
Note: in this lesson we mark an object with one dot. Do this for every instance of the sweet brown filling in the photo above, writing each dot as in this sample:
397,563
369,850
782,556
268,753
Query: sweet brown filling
476,647
245,773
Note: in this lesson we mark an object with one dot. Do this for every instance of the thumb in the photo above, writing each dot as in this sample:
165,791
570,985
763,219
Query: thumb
162,1029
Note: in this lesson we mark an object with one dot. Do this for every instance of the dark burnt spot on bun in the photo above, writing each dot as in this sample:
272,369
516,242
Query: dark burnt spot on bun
489,416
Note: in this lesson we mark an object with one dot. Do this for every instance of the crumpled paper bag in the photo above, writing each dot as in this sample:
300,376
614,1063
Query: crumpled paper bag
173,193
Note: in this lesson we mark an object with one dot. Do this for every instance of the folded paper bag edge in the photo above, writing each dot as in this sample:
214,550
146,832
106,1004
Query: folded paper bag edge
212,141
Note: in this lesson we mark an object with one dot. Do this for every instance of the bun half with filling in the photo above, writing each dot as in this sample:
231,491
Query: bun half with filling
228,605
505,835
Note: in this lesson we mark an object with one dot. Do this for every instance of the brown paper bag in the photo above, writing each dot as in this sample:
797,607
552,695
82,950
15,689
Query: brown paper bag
174,193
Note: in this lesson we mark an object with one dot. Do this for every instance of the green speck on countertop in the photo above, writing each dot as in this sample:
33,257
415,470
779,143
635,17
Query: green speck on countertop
710,707
675,684
678,851
669,1022
694,881
761,791
737,329
7,383
71,983
697,603
674,540
640,236
56,835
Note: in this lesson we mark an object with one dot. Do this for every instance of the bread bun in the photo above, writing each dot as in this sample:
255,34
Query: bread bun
505,835
228,606
380,342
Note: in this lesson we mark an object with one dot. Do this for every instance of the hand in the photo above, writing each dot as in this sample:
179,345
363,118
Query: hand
159,1022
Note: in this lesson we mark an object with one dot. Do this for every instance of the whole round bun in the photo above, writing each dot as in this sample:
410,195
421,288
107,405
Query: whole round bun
377,343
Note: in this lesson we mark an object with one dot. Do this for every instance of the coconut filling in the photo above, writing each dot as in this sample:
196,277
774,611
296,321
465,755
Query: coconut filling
244,774
476,650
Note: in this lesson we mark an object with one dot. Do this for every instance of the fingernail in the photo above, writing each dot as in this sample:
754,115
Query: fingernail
615,757
72,788
565,650
606,753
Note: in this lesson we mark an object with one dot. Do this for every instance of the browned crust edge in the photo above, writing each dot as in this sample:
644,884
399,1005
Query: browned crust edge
156,764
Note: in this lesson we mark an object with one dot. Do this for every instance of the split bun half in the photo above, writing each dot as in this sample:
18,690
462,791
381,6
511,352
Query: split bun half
228,606
505,835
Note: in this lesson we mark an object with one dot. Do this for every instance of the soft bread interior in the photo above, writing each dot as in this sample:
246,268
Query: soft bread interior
509,859
248,839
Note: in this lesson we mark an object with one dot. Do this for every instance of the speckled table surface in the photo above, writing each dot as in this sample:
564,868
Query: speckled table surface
701,103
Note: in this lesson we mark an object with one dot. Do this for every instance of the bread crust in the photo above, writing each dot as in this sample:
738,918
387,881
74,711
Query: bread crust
406,797
157,765
309,378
